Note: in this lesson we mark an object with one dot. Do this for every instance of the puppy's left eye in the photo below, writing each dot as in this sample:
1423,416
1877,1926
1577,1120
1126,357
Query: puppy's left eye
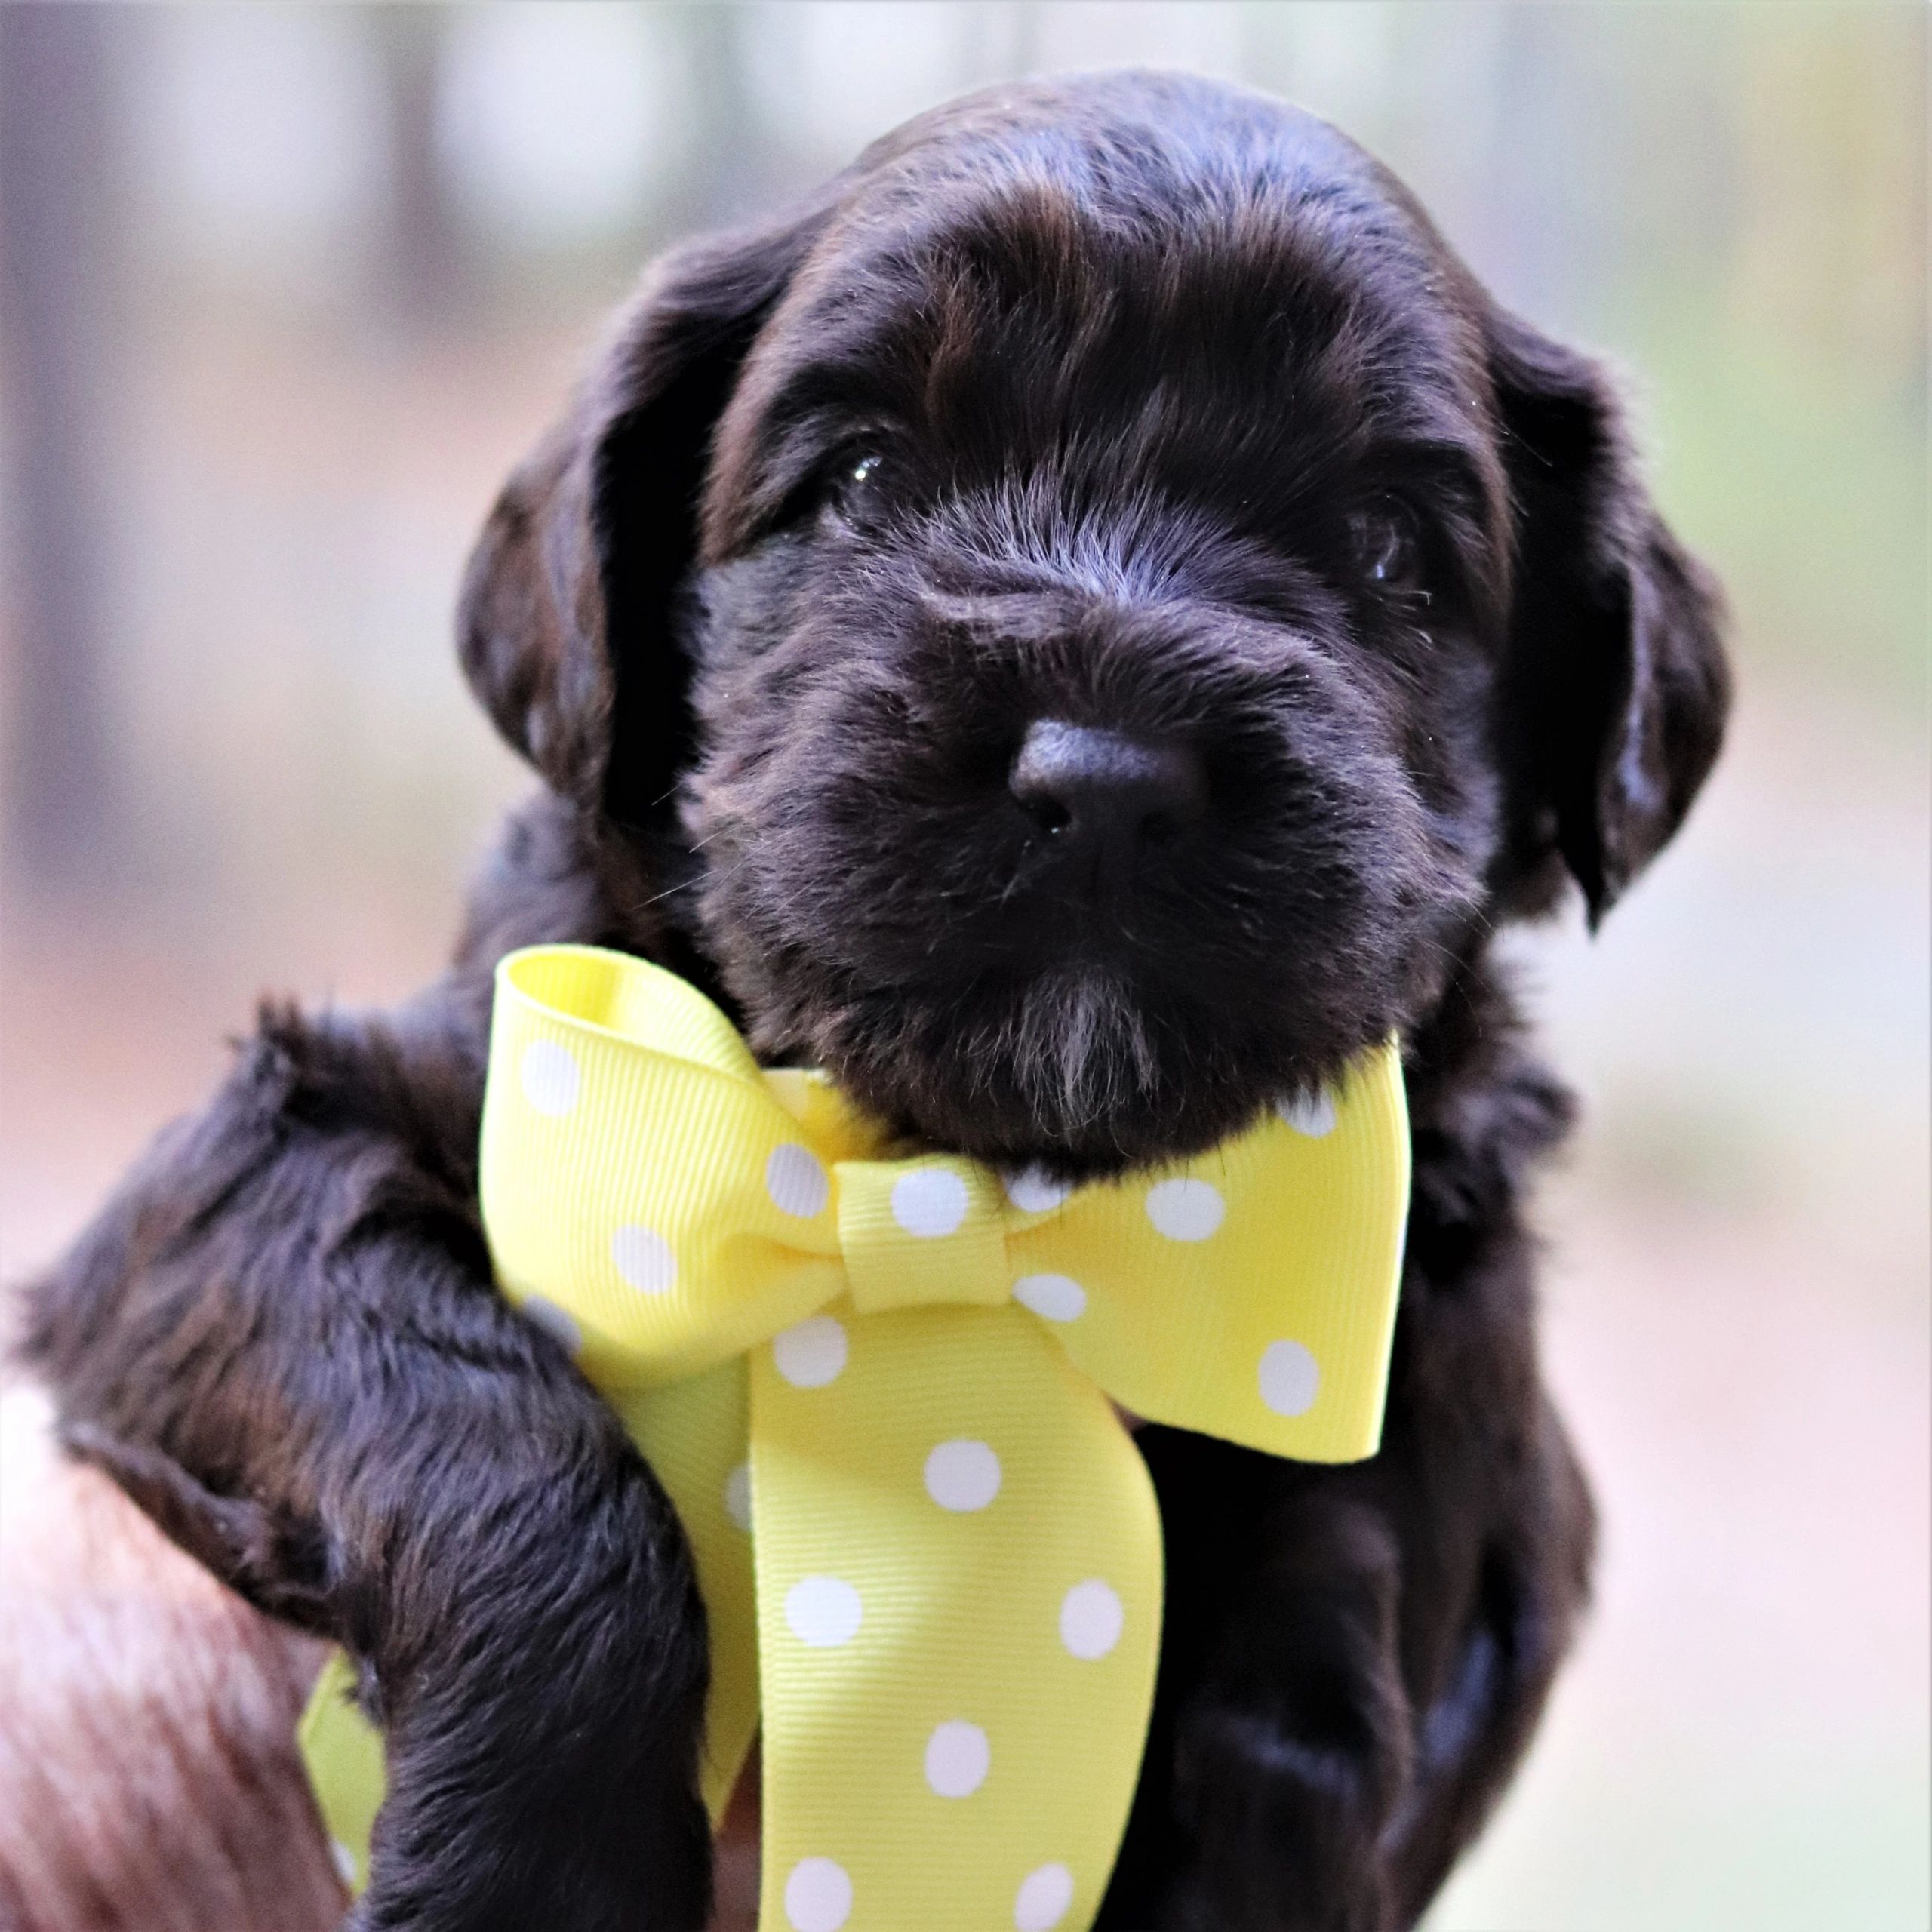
854,483
1388,540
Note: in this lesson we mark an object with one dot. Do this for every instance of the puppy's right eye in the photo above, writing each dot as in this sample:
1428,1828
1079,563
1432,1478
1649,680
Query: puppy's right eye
1388,542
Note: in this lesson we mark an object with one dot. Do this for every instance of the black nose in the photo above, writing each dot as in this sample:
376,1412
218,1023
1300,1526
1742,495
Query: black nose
1106,790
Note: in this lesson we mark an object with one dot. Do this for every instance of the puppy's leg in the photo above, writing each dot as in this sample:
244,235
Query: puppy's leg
1534,1581
1282,1741
282,1337
1354,1662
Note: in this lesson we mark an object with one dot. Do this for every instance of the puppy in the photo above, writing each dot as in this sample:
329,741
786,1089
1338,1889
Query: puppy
1080,629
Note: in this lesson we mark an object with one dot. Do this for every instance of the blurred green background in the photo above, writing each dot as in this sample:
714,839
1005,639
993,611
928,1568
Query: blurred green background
288,290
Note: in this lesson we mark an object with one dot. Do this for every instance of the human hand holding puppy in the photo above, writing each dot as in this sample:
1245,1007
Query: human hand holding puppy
1079,631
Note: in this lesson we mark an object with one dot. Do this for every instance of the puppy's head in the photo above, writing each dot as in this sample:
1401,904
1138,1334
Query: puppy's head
1096,612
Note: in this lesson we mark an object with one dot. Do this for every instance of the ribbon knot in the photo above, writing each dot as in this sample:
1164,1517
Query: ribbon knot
877,1390
929,1231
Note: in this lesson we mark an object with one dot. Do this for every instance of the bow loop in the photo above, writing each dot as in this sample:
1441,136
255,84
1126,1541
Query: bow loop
616,1233
605,993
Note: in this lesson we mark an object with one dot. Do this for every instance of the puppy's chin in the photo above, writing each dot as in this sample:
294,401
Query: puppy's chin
1066,1069
1085,1064
1074,1069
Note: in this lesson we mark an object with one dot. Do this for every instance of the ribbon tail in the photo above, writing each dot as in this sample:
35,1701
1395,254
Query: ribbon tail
694,1435
959,1586
342,1755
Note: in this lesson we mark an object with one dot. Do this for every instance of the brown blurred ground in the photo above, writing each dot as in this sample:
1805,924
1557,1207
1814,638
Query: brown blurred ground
1730,199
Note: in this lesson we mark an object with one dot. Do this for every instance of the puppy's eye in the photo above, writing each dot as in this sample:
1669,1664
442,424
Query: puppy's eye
854,484
1388,542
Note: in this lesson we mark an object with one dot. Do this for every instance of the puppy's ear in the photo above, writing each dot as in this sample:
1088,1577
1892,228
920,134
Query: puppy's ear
1616,687
566,625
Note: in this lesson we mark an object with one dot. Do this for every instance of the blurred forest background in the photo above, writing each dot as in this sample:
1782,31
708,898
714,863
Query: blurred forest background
287,289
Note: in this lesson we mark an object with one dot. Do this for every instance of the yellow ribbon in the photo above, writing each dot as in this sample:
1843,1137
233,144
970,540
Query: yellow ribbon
938,1573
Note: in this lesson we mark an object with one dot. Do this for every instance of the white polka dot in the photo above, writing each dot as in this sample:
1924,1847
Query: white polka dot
1185,1210
1033,1191
1052,1297
823,1612
818,1896
553,1320
1091,1619
962,1475
812,1353
1290,1378
1312,1114
643,1258
958,1757
929,1201
738,1496
550,1077
1043,1898
343,1859
796,1179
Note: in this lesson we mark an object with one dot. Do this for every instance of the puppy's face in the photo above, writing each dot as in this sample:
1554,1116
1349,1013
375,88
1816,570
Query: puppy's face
1104,709
1091,664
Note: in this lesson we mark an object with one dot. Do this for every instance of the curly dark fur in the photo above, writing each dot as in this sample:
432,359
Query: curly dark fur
1137,403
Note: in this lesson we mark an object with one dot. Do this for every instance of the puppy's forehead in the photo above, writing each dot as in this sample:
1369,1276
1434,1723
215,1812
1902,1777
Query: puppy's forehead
992,295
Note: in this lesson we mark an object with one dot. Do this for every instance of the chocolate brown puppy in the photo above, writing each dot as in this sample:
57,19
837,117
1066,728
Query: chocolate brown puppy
1078,629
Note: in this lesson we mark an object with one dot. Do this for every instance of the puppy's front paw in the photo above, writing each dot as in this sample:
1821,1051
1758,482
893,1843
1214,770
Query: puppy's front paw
1285,1816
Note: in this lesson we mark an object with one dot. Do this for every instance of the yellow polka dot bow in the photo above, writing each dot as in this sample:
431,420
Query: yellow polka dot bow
877,1392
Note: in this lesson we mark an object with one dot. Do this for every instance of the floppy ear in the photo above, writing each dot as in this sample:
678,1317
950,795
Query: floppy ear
567,623
1616,687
